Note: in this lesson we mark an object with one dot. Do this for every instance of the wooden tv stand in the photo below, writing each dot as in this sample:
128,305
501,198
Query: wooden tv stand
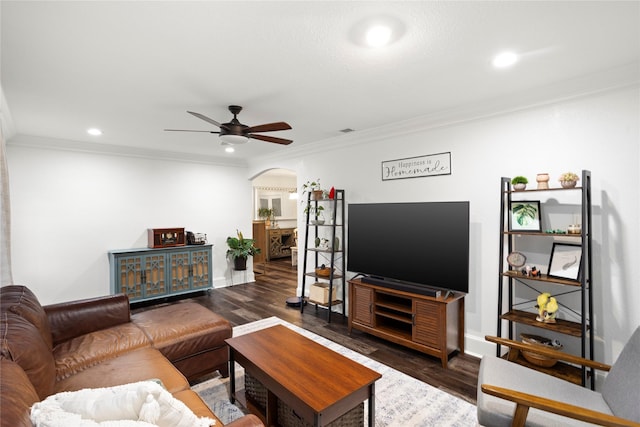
432,325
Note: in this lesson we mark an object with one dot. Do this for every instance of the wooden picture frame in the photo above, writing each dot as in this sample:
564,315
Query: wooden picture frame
525,216
565,261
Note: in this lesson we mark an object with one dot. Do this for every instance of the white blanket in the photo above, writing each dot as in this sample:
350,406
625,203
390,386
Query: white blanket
142,404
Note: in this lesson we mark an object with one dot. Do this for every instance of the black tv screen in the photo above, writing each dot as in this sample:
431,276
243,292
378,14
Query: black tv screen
424,244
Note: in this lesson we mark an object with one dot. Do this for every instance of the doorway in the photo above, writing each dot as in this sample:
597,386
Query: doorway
275,193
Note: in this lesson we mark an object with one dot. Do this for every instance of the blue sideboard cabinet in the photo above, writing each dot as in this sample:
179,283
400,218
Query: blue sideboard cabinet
145,274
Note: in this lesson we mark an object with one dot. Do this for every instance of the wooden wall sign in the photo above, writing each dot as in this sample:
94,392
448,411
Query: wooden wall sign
417,167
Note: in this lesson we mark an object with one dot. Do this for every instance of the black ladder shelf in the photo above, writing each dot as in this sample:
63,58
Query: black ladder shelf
333,257
511,280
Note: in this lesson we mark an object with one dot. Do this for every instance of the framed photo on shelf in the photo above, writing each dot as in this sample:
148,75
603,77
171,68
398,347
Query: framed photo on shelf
565,261
525,216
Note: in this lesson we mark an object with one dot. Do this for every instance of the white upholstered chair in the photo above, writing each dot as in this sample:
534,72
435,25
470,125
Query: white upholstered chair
513,395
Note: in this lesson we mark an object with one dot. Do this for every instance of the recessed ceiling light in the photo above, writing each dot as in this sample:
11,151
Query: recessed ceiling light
94,131
505,59
229,149
378,36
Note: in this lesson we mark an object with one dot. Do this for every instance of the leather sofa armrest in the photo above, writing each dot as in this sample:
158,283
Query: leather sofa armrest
71,319
246,421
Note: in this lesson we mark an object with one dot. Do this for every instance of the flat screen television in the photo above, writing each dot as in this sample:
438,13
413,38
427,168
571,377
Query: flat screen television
417,247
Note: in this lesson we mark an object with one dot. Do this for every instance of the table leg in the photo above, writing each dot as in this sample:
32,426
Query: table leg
232,377
372,405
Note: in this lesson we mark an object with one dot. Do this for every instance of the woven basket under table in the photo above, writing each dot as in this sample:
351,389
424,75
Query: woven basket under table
287,416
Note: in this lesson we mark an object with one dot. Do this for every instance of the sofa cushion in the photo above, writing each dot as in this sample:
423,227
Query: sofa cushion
137,365
16,395
21,301
22,343
184,329
90,349
71,319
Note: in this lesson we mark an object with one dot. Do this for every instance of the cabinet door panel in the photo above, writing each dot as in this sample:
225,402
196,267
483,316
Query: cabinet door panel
200,269
363,308
426,329
179,271
130,274
155,271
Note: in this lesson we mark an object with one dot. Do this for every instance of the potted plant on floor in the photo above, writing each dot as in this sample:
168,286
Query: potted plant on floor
240,249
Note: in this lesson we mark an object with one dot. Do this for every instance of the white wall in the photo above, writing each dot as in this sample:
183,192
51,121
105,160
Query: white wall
70,208
597,132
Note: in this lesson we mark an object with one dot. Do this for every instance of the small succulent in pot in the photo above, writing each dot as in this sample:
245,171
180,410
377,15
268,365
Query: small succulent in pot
568,179
519,182
569,176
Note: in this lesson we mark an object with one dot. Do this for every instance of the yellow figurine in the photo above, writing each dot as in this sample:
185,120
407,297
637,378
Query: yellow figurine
547,308
550,311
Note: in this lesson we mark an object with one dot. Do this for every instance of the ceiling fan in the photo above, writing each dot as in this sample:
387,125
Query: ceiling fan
234,132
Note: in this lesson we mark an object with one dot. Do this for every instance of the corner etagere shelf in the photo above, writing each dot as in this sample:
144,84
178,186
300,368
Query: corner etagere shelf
512,278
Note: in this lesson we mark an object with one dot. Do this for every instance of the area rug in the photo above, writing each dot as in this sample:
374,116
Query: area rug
401,400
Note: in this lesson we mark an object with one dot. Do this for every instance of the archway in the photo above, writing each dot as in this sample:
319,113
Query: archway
275,196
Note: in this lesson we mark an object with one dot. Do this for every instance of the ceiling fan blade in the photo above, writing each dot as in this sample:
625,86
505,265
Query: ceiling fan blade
269,127
206,119
271,139
189,130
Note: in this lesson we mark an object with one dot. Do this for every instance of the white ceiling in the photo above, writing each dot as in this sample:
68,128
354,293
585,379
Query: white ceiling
133,68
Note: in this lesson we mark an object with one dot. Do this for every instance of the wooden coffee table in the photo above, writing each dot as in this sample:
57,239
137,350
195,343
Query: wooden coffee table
319,384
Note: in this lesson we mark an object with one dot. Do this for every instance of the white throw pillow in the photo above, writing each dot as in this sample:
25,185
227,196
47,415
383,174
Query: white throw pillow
141,404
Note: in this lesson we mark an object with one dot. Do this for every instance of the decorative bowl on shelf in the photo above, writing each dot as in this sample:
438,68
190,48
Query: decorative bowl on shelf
323,272
538,359
316,221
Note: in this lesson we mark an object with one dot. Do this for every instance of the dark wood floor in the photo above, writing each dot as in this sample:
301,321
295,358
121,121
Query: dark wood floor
266,297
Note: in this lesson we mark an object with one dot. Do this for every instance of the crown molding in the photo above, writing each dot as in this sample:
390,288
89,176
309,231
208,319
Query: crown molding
582,87
39,142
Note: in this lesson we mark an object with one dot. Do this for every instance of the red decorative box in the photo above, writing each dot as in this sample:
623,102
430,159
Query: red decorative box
165,237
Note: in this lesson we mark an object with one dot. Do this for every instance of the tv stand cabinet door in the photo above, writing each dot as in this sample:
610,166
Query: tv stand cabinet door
362,305
427,328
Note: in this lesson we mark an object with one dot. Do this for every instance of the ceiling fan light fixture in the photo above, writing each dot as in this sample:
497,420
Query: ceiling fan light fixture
233,139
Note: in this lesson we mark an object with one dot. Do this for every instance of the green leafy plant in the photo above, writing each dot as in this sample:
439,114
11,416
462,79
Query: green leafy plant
519,180
311,186
265,213
314,210
239,247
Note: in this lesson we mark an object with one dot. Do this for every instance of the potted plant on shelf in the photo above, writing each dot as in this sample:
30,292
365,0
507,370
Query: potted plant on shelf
317,212
519,183
240,249
314,189
266,214
568,180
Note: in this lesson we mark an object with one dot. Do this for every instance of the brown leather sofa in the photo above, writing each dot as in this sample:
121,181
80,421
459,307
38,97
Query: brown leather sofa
97,342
